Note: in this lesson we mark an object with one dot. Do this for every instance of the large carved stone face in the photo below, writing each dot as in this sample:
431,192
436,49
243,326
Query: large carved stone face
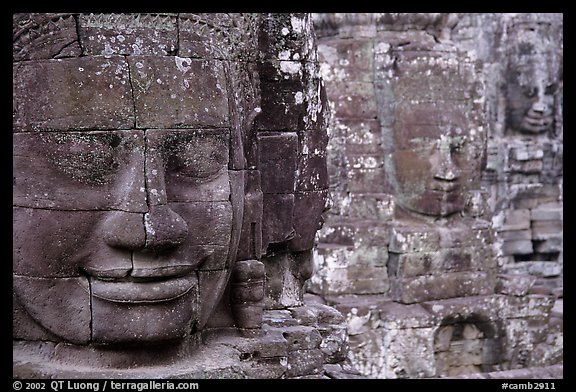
126,215
429,166
530,94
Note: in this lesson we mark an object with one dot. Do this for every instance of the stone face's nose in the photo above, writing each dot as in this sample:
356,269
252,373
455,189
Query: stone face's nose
539,107
124,230
446,169
164,228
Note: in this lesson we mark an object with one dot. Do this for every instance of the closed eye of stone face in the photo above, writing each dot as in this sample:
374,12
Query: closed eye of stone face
88,158
195,155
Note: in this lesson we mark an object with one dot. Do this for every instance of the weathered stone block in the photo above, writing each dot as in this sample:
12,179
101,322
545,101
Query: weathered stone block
286,32
526,152
24,327
363,180
474,234
279,212
49,36
302,338
282,107
532,305
347,60
550,245
198,39
517,247
412,358
312,173
179,92
393,315
542,230
128,34
350,280
430,263
286,273
353,100
449,285
548,214
60,305
526,167
518,285
250,245
482,308
277,161
413,239
73,94
515,235
307,218
212,222
518,219
304,362
545,269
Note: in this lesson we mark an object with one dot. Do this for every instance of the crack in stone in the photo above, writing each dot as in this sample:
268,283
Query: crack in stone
76,209
131,91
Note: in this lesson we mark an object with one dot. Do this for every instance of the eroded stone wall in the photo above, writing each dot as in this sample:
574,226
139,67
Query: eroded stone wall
413,259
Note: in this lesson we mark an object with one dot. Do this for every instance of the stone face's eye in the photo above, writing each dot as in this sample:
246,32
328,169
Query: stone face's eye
530,92
458,144
86,158
551,89
195,156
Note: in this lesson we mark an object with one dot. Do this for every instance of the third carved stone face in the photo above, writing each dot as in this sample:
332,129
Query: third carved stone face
530,92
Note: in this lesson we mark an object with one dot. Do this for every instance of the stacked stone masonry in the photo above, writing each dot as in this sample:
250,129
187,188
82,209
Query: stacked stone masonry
443,246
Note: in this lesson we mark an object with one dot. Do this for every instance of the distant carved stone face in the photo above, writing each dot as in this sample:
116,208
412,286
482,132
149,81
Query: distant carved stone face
126,215
530,92
428,166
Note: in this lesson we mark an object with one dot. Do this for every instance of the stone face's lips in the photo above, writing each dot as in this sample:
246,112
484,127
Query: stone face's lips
130,291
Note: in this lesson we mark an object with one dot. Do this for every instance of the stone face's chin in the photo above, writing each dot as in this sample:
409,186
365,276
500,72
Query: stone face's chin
434,202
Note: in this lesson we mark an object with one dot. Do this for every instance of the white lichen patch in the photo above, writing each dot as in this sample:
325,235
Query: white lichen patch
183,63
291,67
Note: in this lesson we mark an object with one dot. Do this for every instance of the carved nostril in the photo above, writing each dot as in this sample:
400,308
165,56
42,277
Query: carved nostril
123,229
164,228
539,107
447,169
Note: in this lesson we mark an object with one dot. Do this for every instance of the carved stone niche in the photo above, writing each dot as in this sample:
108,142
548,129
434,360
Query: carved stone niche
141,199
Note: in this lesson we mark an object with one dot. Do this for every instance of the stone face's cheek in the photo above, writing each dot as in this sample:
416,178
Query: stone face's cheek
413,172
51,243
209,223
61,305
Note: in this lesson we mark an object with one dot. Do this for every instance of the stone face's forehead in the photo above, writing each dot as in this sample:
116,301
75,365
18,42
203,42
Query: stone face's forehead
113,93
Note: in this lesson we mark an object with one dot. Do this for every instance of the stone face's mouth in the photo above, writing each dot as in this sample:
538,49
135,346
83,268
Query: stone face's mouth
536,122
138,290
445,187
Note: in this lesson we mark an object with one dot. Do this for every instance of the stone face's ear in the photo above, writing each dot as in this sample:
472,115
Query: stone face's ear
247,293
250,246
